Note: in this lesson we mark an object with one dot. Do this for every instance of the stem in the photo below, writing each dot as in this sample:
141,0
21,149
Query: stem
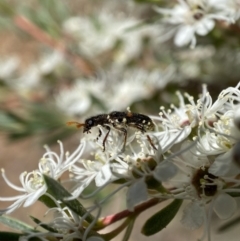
115,232
106,221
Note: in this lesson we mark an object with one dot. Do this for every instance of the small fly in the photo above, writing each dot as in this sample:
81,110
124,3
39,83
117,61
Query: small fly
119,121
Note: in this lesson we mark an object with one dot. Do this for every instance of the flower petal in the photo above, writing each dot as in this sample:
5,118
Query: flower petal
164,171
224,166
33,197
103,176
193,215
136,194
205,26
184,35
225,206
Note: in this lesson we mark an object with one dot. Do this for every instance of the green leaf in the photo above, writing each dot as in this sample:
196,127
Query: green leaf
6,9
9,123
15,117
8,236
57,191
234,194
161,219
129,229
16,224
47,201
45,226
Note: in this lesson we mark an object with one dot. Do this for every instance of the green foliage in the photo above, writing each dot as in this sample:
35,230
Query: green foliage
45,226
129,229
49,15
16,224
6,10
47,201
59,193
8,236
161,219
39,119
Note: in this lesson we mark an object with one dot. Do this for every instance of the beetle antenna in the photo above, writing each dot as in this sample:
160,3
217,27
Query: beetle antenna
78,125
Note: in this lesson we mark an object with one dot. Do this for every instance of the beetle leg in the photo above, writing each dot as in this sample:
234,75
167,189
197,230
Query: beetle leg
105,138
124,130
151,143
141,128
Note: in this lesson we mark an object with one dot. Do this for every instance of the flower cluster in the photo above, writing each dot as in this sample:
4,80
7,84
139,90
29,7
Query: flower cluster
189,18
29,79
191,156
117,86
109,32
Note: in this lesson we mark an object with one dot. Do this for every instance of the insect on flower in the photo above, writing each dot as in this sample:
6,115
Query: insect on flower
119,121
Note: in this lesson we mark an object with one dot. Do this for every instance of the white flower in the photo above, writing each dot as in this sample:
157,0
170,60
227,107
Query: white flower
31,77
176,124
195,182
67,224
102,33
220,138
231,8
105,167
122,88
189,18
98,169
8,67
55,165
74,101
189,156
77,100
28,80
50,62
219,132
113,163
33,185
134,85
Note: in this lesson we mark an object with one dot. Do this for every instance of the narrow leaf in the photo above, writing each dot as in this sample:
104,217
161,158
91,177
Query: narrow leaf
129,229
45,226
16,224
57,191
161,219
47,201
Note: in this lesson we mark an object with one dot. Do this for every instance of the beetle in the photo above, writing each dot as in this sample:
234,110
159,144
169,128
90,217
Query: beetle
119,121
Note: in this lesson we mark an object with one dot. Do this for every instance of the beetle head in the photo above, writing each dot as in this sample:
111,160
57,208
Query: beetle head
89,123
